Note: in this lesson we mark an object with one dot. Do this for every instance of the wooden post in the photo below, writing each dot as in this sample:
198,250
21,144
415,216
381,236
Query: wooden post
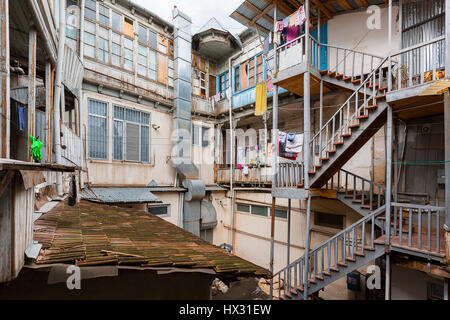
31,86
4,79
48,111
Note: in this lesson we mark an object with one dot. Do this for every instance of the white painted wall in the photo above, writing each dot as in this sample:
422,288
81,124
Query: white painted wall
408,284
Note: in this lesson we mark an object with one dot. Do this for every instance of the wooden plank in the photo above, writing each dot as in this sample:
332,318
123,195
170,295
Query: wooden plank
247,21
5,181
260,13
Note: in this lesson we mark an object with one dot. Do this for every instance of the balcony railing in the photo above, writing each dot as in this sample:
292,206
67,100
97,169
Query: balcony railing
72,147
418,64
260,176
289,175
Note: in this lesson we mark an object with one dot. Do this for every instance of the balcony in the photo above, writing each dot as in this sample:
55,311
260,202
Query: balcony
258,176
72,147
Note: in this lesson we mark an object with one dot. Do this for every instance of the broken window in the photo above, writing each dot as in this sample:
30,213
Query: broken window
329,220
128,29
98,112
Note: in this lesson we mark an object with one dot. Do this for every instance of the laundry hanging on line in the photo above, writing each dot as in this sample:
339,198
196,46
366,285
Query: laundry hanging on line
282,152
261,99
21,117
294,142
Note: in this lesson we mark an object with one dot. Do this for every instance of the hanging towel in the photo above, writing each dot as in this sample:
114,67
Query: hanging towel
280,26
294,143
292,19
269,84
282,152
261,99
285,22
21,117
301,16
245,170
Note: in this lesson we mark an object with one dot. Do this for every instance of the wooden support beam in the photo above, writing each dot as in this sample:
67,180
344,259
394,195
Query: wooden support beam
345,4
261,14
245,20
323,8
31,86
4,80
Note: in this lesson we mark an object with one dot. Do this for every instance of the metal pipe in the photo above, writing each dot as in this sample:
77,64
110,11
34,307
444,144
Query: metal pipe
306,102
230,105
390,45
387,288
32,44
447,157
307,245
289,233
58,89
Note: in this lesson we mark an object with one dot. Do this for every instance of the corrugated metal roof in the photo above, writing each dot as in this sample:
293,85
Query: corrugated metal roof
119,195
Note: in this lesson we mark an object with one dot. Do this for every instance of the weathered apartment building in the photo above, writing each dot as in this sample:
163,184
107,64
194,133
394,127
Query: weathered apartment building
363,93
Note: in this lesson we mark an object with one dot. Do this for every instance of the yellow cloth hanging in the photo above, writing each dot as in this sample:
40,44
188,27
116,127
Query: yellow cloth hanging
261,99
292,18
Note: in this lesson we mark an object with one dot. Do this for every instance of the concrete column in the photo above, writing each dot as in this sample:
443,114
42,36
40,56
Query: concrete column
4,79
32,38
447,38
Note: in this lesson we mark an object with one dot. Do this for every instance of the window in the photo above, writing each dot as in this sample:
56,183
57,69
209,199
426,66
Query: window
162,210
251,73
329,220
259,69
103,45
153,40
116,50
116,20
103,15
131,135
89,39
142,60
97,136
197,132
435,291
90,10
152,74
237,79
223,85
128,54
259,210
128,28
262,211
142,35
203,84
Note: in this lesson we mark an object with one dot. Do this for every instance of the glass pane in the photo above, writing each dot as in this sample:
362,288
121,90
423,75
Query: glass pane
115,60
142,34
90,4
118,140
145,118
142,71
89,39
116,21
152,60
281,213
89,51
128,43
91,14
152,40
103,32
145,144
115,49
89,26
116,38
127,64
243,207
163,210
259,210
98,108
97,137
119,113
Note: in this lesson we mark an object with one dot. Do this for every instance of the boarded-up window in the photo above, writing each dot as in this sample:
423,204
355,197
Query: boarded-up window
128,28
244,79
170,51
162,68
251,73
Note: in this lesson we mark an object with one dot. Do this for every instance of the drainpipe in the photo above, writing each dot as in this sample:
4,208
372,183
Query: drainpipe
230,104
58,89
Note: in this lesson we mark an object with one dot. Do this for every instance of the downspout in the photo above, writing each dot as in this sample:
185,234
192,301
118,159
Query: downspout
230,104
57,97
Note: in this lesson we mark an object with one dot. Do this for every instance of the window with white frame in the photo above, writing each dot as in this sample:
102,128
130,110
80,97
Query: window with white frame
97,134
262,211
131,135
159,210
200,135
146,54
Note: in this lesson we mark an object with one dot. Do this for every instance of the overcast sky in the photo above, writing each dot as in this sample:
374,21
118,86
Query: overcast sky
199,10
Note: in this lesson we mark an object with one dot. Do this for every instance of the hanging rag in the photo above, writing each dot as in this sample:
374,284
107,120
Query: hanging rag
21,117
291,34
261,99
280,26
245,170
294,143
285,22
301,16
270,37
269,84
282,152
292,19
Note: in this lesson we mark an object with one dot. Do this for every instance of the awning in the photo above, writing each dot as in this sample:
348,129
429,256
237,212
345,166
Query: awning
114,195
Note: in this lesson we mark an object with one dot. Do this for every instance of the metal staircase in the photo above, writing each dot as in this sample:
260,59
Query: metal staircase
348,250
353,124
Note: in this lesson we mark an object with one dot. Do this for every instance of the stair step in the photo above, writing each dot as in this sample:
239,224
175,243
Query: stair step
317,166
300,186
379,241
364,116
319,277
323,72
312,280
369,248
339,75
331,151
354,125
350,258
334,269
311,172
360,254
345,135
324,159
299,288
326,273
338,143
346,78
376,86
356,81
342,264
382,88
331,73
381,96
294,292
371,107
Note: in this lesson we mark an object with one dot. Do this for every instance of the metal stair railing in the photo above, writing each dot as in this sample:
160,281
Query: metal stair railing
346,115
328,256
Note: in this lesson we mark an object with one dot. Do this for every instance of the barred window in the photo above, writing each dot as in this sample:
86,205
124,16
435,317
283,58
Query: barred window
97,136
131,135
